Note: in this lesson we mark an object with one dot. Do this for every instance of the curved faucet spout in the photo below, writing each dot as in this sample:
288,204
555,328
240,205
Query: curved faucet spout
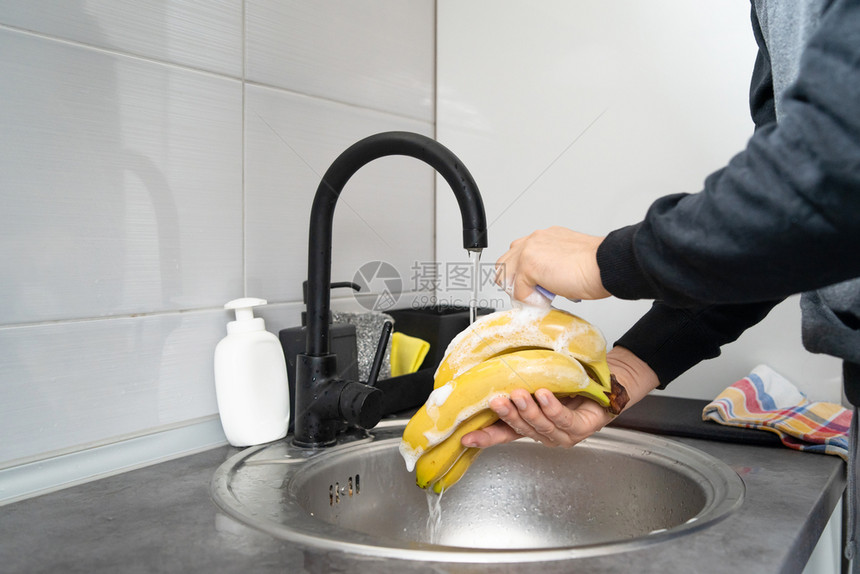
333,181
323,401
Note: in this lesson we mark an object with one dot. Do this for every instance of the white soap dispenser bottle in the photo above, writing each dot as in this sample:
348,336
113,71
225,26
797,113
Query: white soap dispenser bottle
251,379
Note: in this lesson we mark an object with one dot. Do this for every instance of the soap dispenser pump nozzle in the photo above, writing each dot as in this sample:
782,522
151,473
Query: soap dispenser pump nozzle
245,319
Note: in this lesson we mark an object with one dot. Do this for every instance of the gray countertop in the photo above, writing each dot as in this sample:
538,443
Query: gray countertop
161,519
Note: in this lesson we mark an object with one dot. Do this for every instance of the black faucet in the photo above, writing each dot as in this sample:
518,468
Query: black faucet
323,402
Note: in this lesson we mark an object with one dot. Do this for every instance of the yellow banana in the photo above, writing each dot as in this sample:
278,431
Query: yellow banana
521,348
457,470
470,393
523,328
440,460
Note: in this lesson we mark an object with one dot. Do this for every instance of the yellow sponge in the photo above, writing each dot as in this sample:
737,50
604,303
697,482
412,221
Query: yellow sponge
407,353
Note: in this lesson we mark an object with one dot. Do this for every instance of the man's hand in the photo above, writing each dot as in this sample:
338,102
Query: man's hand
558,259
562,422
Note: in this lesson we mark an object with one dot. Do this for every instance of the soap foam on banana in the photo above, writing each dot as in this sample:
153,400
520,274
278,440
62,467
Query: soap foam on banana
520,331
435,435
525,327
436,399
410,455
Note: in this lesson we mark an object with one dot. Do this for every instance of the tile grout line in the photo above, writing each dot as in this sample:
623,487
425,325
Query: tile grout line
244,36
435,252
116,52
224,76
256,84
143,315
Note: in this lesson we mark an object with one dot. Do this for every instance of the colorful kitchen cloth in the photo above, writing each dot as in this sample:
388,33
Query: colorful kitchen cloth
766,400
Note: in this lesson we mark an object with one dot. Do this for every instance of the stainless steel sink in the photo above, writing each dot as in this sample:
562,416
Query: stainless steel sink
519,502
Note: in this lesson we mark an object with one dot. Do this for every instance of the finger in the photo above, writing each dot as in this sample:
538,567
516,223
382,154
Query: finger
524,290
507,284
509,413
586,417
559,414
506,265
503,271
531,413
497,433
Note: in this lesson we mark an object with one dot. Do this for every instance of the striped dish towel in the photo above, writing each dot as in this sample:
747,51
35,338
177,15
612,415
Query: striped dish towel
765,400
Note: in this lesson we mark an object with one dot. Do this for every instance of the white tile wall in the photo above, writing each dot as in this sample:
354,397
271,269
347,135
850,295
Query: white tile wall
149,173
74,383
205,34
336,49
116,201
384,212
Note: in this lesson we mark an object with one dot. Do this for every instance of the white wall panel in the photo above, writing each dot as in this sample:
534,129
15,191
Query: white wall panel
74,384
376,54
205,34
385,212
121,183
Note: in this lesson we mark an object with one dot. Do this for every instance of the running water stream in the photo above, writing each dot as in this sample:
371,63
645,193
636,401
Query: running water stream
434,516
434,501
475,258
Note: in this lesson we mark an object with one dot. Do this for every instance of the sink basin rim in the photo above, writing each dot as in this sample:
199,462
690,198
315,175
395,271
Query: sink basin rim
724,491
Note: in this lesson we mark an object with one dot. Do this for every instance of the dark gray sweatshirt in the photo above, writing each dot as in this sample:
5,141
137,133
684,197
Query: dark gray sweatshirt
783,217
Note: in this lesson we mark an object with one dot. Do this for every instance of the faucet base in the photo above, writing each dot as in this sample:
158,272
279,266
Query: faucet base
325,404
317,419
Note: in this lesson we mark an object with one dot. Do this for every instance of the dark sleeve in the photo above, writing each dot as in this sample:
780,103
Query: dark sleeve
783,216
671,339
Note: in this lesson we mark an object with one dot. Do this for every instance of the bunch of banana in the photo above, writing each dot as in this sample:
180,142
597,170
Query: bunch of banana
520,348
